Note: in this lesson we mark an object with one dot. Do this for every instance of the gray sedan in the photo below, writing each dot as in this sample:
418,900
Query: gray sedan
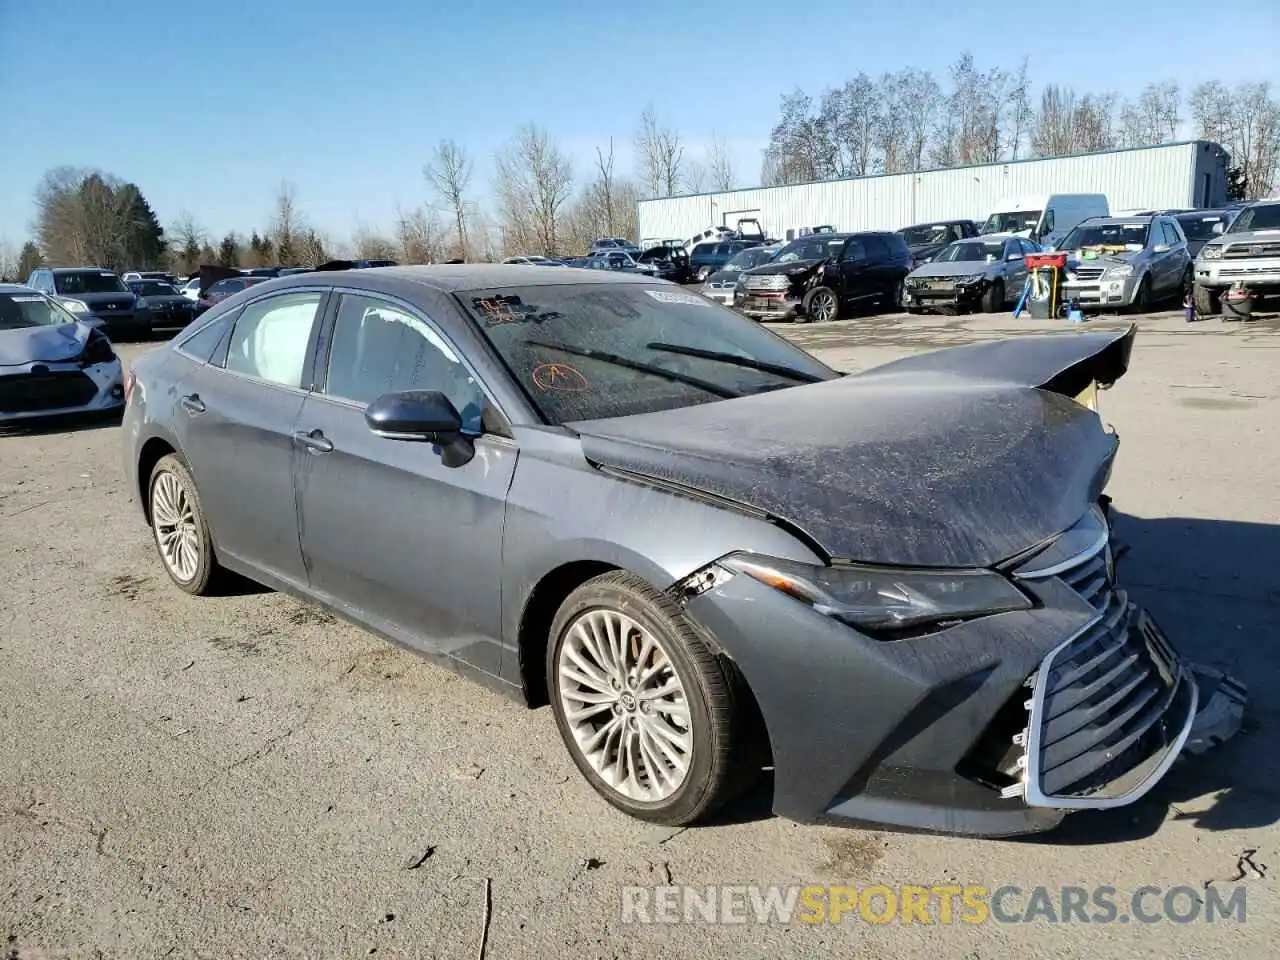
984,274
611,495
1126,262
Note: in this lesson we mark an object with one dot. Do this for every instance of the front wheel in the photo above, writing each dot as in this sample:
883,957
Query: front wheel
993,297
821,305
1208,300
648,713
1142,296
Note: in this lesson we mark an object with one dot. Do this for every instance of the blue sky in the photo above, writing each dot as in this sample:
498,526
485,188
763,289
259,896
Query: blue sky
346,100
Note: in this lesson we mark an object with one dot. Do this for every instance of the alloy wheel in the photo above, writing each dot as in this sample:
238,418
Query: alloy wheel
174,520
625,705
823,307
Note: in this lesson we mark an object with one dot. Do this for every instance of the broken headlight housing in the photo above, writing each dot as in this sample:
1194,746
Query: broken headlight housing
885,598
97,349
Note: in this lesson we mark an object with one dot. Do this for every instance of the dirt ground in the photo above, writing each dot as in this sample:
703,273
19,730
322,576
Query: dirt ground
246,777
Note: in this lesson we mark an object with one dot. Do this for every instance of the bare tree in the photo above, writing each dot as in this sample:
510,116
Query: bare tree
9,262
188,238
661,154
371,245
1094,122
604,190
919,97
312,250
287,225
1246,121
1153,117
848,117
800,144
890,142
720,173
449,174
419,236
533,184
1017,109
1055,132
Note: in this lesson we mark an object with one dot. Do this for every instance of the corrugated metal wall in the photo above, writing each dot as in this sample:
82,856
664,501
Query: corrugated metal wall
1165,176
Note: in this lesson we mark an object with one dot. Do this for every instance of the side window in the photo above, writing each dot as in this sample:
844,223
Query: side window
1170,233
854,249
202,344
379,348
877,249
270,339
1048,221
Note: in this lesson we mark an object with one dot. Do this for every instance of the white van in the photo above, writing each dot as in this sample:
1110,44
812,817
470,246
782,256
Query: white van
1045,220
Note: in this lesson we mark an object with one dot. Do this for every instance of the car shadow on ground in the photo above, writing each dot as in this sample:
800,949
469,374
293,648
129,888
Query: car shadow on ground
64,423
1212,586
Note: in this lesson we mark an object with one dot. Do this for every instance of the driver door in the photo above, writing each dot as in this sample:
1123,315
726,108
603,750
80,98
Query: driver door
389,531
854,274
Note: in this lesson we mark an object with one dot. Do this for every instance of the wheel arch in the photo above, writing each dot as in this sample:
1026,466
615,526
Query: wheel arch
153,450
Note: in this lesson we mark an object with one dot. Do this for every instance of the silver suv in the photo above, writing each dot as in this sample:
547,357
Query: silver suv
1247,251
1125,262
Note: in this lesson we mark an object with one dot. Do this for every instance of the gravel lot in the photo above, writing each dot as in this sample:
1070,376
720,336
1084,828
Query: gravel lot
244,776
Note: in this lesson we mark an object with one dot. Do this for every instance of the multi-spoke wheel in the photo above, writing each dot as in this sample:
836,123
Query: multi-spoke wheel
647,711
178,524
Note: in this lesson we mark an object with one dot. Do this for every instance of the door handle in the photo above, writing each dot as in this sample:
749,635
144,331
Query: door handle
192,403
315,440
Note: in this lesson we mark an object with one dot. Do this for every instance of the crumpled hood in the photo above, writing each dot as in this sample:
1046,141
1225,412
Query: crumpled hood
930,461
791,266
969,268
42,344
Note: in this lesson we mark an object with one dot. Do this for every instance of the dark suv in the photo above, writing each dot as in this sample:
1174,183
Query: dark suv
822,276
706,258
94,292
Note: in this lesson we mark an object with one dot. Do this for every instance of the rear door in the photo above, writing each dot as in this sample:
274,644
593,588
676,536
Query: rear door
389,531
237,415
855,270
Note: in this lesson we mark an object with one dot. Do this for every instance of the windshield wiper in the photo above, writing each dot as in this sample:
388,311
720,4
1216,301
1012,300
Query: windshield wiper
604,357
777,369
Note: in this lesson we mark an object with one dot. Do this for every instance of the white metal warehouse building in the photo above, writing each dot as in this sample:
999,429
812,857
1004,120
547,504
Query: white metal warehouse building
1173,175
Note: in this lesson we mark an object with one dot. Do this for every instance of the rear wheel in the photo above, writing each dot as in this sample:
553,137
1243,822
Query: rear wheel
651,717
821,305
179,528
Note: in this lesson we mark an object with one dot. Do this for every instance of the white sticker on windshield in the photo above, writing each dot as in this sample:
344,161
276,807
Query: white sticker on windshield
667,296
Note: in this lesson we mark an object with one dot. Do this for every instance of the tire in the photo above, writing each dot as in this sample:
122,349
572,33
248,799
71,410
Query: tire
1142,296
172,494
894,296
718,724
1208,301
821,305
993,297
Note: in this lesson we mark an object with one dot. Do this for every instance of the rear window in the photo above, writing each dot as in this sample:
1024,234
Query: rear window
1200,226
88,281
152,288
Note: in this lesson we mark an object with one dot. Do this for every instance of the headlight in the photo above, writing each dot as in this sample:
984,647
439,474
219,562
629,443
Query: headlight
1211,251
75,306
884,597
1123,270
97,349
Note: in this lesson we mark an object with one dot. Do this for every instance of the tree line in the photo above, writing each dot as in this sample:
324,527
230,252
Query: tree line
911,120
540,202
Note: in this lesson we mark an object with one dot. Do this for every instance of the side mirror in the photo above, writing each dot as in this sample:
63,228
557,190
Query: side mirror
1160,248
1219,227
424,415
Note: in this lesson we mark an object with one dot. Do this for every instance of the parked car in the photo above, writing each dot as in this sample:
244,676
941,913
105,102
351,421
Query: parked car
221,289
290,271
1044,219
1247,250
92,291
619,260
609,244
720,286
823,275
707,551
925,240
1129,262
52,361
191,289
706,258
669,262
161,305
985,273
1201,226
535,261
160,275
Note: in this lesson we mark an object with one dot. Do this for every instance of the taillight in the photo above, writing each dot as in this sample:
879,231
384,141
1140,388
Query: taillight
129,381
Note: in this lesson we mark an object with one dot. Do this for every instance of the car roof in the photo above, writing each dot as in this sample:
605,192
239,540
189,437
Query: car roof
79,269
16,288
448,278
1142,218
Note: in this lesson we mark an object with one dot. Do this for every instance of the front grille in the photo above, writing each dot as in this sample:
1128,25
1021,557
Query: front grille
1088,273
45,391
773,281
1251,251
112,306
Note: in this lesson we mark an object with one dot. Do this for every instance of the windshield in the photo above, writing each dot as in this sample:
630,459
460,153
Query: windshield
746,259
815,247
1116,236
19,310
1013,222
927,235
640,336
86,281
969,252
1200,226
1257,218
152,288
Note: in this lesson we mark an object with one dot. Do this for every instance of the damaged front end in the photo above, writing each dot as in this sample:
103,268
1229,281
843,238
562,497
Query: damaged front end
777,292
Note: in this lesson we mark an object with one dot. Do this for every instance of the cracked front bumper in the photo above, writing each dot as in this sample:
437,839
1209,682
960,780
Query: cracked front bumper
1103,292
